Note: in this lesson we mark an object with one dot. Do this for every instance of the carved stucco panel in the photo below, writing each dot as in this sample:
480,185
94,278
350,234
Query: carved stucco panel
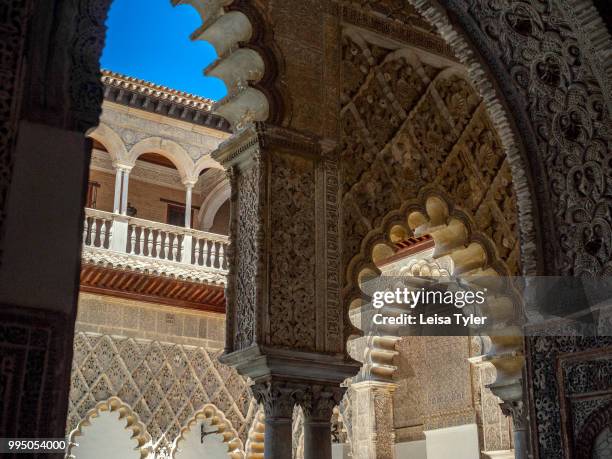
408,124
291,312
133,129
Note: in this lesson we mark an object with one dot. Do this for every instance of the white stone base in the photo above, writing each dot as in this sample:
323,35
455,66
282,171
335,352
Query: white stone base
411,450
460,442
340,451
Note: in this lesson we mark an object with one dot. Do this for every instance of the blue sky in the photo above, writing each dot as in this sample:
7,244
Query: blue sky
149,39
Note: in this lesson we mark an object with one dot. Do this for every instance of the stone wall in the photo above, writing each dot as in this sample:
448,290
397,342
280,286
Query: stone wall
116,316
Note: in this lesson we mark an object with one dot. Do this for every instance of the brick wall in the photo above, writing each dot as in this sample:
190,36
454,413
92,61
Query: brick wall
145,197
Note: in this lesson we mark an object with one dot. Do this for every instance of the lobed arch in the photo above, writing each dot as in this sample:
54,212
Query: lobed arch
249,72
212,414
169,149
112,142
134,424
455,236
256,436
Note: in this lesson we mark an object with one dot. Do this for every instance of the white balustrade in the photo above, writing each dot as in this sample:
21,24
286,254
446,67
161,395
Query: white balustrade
98,229
149,239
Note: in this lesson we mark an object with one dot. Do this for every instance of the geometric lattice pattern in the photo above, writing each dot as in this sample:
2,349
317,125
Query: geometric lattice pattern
164,383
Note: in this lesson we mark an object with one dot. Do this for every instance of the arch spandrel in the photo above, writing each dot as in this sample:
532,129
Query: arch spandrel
168,148
113,143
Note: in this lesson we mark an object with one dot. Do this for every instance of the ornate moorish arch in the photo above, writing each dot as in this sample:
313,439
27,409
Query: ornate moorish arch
446,232
114,404
216,418
558,114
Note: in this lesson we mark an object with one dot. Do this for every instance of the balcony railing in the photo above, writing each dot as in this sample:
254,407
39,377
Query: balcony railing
153,240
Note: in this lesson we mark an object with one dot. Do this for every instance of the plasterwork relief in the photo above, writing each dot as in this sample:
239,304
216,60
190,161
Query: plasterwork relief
409,122
566,399
292,314
544,51
247,255
132,129
165,384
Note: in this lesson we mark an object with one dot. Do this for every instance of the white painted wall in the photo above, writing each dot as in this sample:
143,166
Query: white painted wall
460,442
411,450
191,447
106,437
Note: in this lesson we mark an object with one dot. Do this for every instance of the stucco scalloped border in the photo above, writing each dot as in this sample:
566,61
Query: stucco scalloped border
211,413
139,431
435,14
255,440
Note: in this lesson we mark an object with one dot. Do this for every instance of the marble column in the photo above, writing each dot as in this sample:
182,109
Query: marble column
118,182
188,193
508,386
318,403
278,399
519,422
124,190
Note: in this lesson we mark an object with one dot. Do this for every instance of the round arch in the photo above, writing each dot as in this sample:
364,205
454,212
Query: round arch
115,404
218,196
206,162
216,418
167,148
111,141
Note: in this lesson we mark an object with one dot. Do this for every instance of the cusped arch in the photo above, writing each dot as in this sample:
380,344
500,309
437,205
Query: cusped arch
249,73
216,418
105,135
134,424
453,235
169,149
255,441
502,120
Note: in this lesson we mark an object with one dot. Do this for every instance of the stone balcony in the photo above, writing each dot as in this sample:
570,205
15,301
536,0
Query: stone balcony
151,261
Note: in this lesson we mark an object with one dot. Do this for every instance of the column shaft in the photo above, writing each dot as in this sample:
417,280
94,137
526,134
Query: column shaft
317,439
124,191
278,444
117,198
188,193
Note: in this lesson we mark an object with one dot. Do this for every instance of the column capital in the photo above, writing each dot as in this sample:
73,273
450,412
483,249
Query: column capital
123,166
516,409
278,398
318,402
